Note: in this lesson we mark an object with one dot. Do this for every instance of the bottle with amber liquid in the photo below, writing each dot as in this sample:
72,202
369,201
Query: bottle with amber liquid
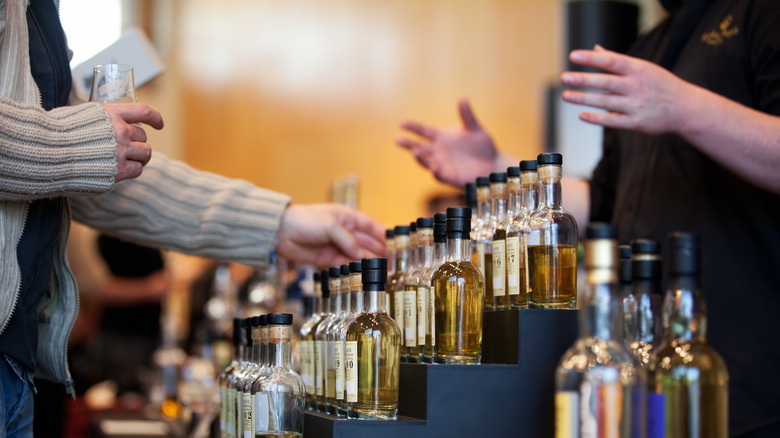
372,352
483,239
517,237
459,289
426,284
688,380
643,318
600,388
552,242
395,291
499,192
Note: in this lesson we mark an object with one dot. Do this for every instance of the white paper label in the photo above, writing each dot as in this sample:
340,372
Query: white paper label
410,318
512,265
306,366
338,352
398,300
249,424
422,314
318,368
261,412
432,315
481,258
351,371
499,268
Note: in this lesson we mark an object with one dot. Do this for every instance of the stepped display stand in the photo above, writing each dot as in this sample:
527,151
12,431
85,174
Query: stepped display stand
510,394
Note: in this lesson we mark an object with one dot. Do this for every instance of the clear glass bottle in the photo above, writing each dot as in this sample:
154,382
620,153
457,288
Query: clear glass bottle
244,394
409,282
425,244
552,243
470,196
395,290
627,299
499,195
517,237
320,349
459,289
643,319
600,386
477,243
307,345
226,414
688,381
485,239
329,339
391,255
426,284
237,379
355,288
338,340
373,352
279,397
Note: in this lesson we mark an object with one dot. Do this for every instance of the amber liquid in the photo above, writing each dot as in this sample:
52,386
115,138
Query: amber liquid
459,300
553,276
490,303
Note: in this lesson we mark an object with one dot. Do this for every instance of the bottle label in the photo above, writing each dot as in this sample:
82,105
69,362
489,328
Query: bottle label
223,409
249,423
499,268
330,370
512,265
600,409
398,300
481,258
261,412
410,318
306,366
566,414
231,412
318,368
656,415
432,315
351,371
338,353
422,314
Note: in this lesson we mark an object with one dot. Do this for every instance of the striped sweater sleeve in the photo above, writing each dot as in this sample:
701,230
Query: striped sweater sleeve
173,206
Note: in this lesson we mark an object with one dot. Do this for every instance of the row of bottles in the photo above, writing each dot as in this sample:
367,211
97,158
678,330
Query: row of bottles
641,365
260,394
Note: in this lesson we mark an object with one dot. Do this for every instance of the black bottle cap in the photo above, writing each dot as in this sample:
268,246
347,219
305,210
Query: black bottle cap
645,246
527,165
308,305
236,331
513,171
316,276
247,324
470,192
498,177
646,263
389,234
280,319
549,158
402,230
601,230
424,222
374,274
440,228
413,227
683,254
483,181
624,263
458,222
355,266
334,272
260,320
344,270
325,283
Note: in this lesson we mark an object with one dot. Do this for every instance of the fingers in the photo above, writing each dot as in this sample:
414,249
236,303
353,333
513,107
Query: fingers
602,59
140,152
345,242
133,113
608,120
609,102
467,116
424,131
596,81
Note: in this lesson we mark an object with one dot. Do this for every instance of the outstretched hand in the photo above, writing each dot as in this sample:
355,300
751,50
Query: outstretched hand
329,235
637,94
133,152
454,155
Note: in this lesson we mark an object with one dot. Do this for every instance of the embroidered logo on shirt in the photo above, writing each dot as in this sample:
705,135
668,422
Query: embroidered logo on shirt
726,30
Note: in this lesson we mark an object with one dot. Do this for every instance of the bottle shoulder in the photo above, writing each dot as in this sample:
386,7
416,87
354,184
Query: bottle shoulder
453,270
694,360
374,324
590,353
282,380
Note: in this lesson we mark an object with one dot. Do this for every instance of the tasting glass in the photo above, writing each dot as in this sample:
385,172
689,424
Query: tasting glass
112,83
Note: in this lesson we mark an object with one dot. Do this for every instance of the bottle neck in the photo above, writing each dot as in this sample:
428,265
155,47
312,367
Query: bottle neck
279,346
335,303
238,352
376,301
346,301
685,309
514,200
325,307
528,191
356,288
440,253
498,193
257,342
402,254
599,316
550,188
484,203
458,249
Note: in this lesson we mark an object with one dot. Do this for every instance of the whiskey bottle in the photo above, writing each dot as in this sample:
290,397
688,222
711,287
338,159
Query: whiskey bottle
320,349
426,289
279,397
394,289
499,193
600,386
337,313
236,380
355,288
409,282
484,210
517,237
226,414
485,241
391,256
458,287
470,195
643,321
552,243
688,381
425,245
338,339
373,352
307,346
244,395
626,293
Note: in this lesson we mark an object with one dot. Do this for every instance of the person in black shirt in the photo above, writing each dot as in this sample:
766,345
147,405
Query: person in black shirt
693,143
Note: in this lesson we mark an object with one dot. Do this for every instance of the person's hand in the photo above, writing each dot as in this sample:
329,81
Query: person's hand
328,235
637,95
133,152
454,155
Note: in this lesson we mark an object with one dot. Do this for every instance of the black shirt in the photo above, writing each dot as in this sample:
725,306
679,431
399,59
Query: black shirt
649,186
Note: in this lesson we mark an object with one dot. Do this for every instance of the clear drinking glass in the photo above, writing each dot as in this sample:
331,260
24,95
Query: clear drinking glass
112,83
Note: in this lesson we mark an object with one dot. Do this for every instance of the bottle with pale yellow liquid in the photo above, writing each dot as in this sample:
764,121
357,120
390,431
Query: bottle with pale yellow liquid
355,287
395,291
483,239
329,340
390,248
552,242
317,337
502,213
425,255
426,288
307,346
517,237
409,284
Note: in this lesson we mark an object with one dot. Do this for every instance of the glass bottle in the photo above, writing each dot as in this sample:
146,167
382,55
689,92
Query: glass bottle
307,345
517,237
236,380
409,282
426,287
330,340
600,386
643,319
391,255
226,414
394,290
320,349
355,288
459,289
244,395
470,195
338,341
627,299
279,397
499,194
373,352
425,244
688,381
485,239
552,243
484,210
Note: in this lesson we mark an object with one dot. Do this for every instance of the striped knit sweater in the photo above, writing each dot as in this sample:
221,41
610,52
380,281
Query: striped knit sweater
72,152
